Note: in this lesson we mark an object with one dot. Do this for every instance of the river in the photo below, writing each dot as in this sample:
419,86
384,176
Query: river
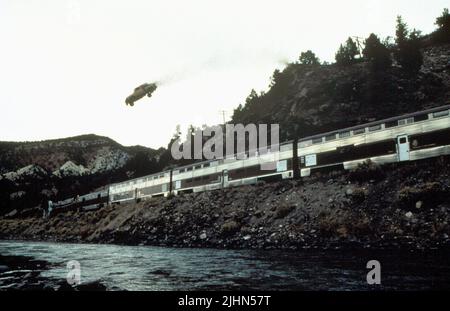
160,268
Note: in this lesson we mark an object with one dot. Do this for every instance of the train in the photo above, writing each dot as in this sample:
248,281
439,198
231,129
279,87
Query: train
407,137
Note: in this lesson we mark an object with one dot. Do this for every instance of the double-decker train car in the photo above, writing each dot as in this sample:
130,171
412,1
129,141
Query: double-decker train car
84,202
408,137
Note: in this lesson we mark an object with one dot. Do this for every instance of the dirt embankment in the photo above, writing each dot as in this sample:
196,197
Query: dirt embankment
399,205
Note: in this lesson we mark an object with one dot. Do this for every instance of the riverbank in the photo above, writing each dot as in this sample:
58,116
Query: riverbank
403,205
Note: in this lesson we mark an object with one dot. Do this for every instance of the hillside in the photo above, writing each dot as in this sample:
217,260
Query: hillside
32,172
326,97
92,152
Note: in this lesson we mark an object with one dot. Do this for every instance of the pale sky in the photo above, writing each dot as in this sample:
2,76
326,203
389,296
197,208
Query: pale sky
66,66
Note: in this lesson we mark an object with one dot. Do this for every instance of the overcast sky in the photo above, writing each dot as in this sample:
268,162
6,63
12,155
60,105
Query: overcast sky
66,66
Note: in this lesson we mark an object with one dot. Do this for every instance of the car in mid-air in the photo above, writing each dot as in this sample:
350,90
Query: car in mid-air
141,91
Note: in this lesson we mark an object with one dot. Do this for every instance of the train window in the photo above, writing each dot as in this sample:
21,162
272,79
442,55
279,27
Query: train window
405,121
391,124
206,165
330,137
403,140
344,134
359,131
439,114
421,117
317,140
197,167
189,180
161,176
375,128
189,169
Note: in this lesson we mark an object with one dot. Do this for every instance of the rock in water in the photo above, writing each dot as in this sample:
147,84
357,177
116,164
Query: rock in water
419,204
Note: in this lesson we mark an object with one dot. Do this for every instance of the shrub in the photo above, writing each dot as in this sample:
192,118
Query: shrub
366,171
431,193
230,227
283,210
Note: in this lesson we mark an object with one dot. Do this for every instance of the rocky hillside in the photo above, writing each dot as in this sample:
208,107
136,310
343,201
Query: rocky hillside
87,154
397,205
31,172
327,97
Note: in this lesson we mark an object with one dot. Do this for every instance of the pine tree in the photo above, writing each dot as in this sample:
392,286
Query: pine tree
442,34
376,53
346,54
352,49
407,51
309,58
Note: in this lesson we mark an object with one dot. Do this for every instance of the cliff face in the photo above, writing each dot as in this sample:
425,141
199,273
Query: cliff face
327,97
93,152
398,205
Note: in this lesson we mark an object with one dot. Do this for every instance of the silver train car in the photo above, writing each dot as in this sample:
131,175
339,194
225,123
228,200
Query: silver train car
408,137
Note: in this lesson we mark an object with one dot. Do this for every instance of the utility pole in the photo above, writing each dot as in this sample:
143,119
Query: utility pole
295,165
223,113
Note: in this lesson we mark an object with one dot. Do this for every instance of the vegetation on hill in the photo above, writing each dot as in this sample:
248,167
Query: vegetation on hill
382,79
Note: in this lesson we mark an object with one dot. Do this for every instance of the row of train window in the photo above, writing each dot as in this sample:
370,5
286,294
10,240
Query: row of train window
377,127
245,172
351,152
426,140
195,167
201,179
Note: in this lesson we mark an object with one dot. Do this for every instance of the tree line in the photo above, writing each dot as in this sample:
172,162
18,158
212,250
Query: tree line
381,53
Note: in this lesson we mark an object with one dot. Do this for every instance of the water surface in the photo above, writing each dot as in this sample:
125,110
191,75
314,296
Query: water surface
160,268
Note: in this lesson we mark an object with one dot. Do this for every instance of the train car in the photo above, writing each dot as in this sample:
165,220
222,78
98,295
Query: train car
412,136
143,187
86,202
408,137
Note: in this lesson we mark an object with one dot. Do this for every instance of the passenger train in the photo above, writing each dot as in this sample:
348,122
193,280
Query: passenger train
408,137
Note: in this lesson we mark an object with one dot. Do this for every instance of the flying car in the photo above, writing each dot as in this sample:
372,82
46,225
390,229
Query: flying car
141,91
